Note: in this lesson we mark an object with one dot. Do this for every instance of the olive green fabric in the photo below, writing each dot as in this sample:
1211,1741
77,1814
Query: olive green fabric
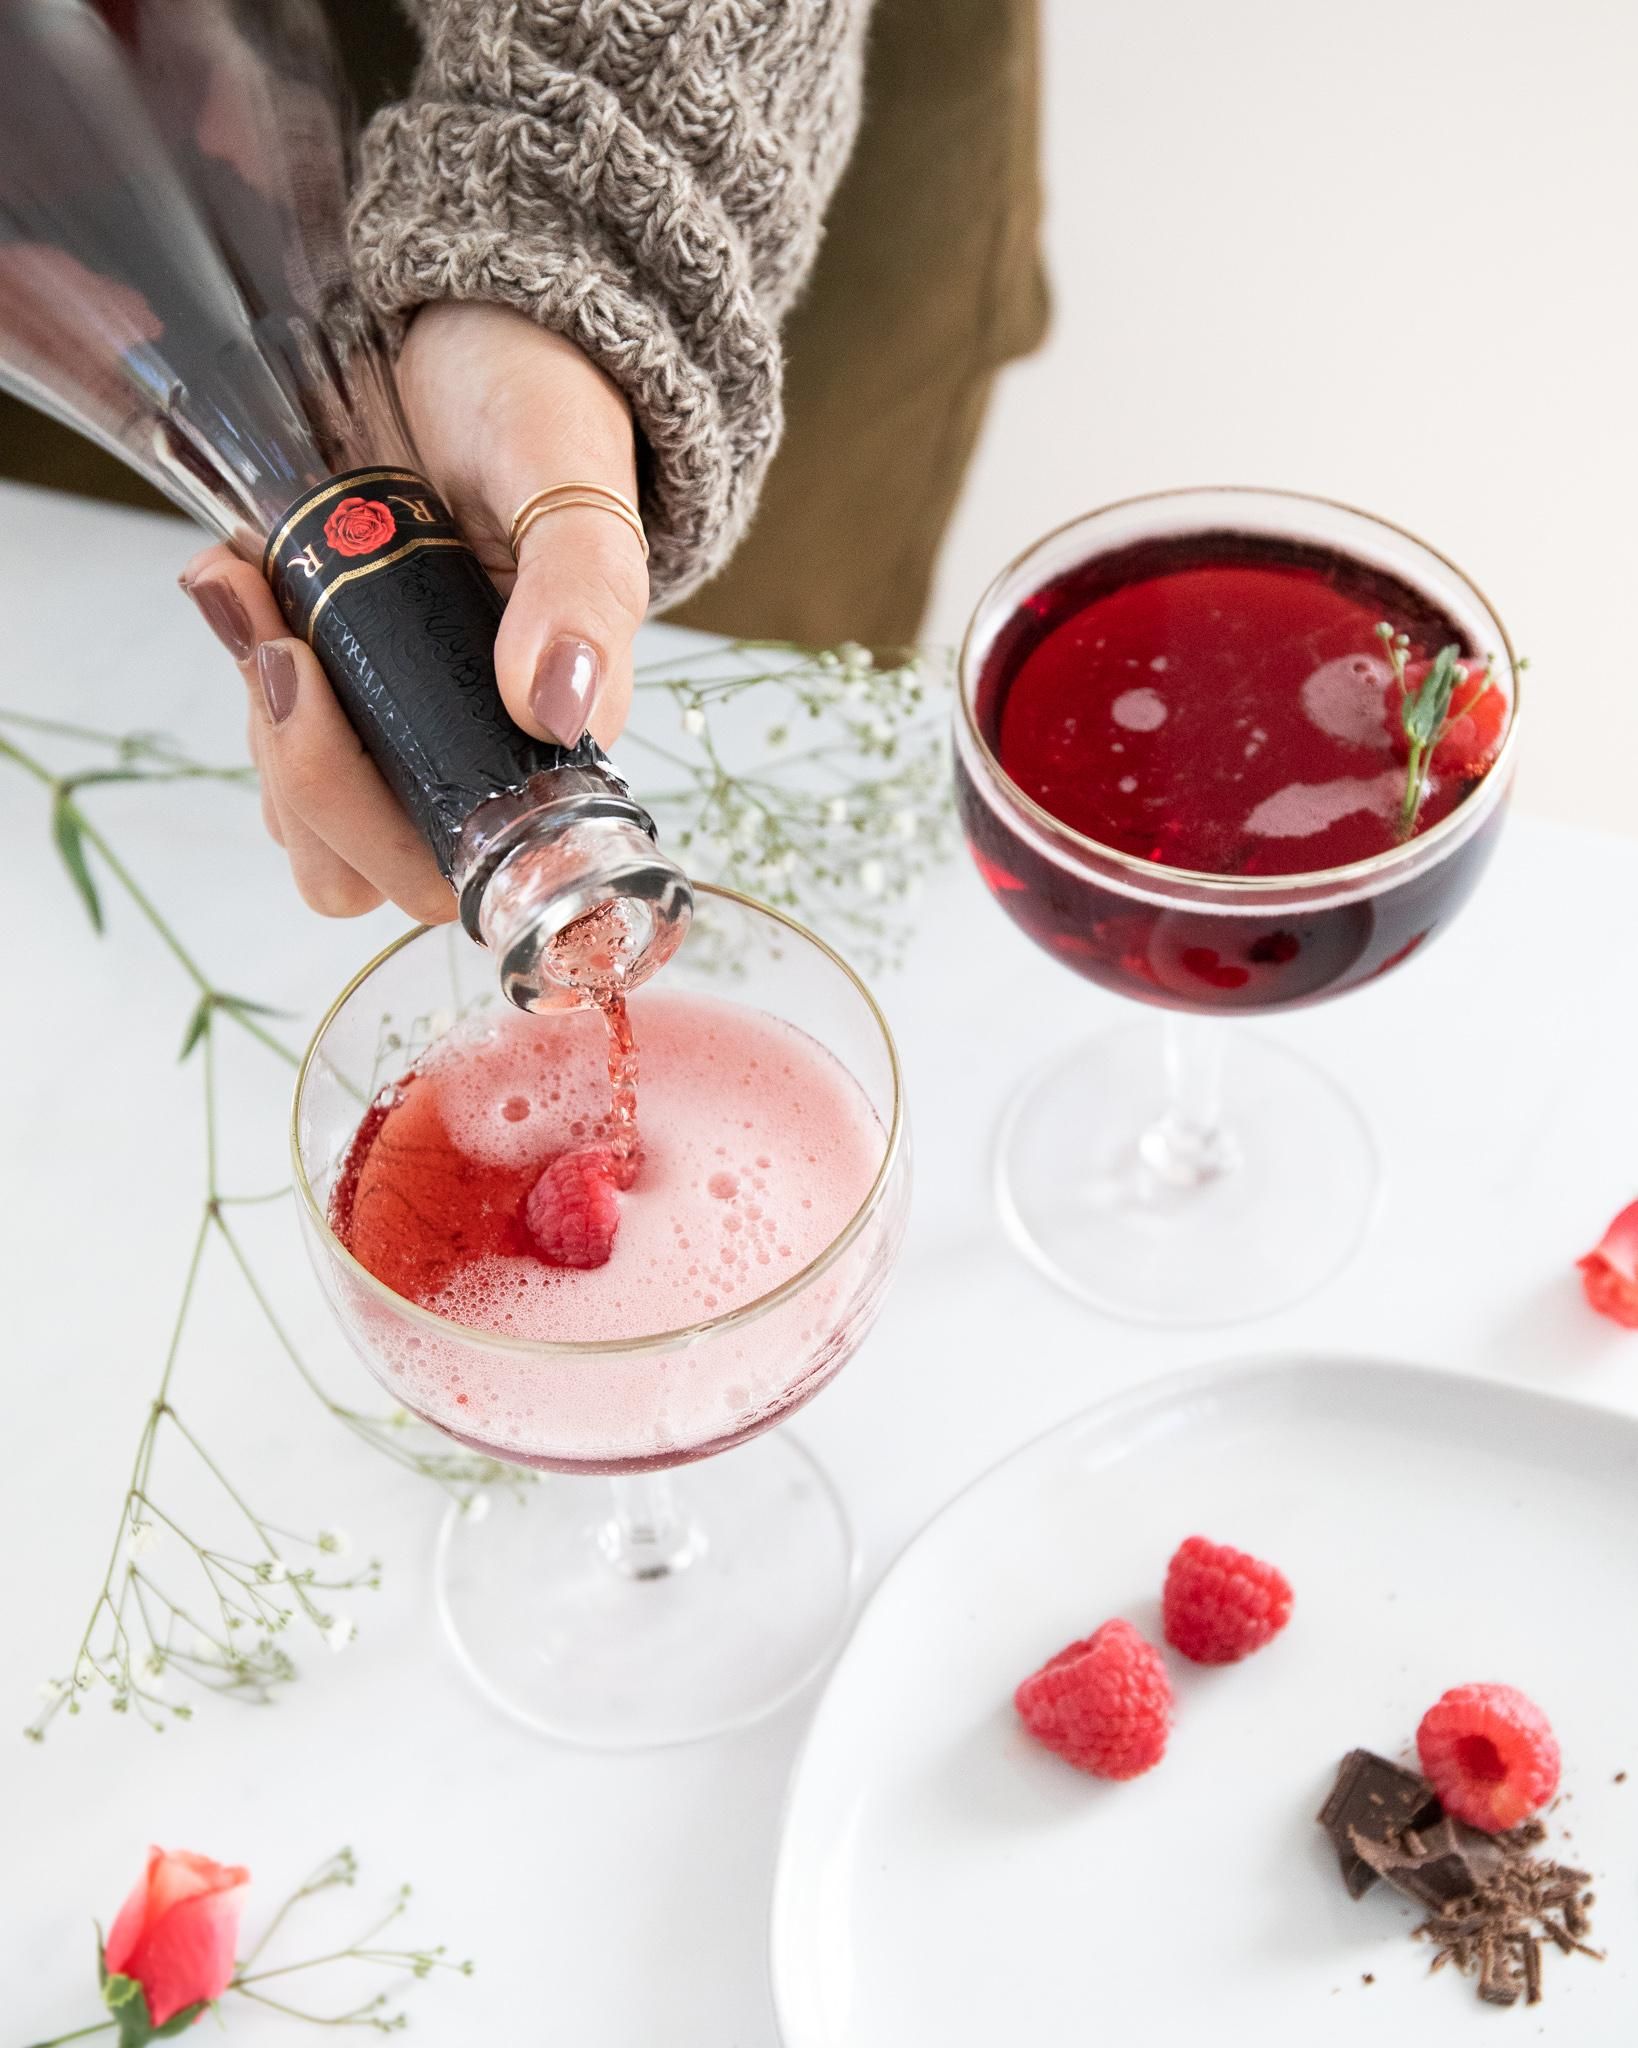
929,279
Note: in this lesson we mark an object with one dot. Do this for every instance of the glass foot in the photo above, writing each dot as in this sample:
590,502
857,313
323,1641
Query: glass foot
1147,1219
653,1610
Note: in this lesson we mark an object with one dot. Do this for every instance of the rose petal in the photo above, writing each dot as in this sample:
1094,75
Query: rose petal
181,1875
1609,1273
187,1956
175,1934
130,1920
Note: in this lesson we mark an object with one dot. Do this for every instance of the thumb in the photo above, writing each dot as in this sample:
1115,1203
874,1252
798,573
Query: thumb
564,653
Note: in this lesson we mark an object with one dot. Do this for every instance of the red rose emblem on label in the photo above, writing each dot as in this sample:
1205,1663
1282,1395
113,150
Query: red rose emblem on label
358,526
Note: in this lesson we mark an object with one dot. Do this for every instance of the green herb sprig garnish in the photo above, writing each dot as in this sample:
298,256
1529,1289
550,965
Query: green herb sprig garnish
1424,710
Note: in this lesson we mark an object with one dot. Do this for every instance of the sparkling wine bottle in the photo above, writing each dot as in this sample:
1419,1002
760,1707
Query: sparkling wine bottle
174,283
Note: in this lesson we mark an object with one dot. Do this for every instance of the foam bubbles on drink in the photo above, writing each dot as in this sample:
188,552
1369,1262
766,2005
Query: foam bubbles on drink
1139,710
726,1207
1302,809
1344,699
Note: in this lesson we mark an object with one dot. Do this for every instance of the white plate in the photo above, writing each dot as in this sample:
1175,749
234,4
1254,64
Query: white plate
944,1881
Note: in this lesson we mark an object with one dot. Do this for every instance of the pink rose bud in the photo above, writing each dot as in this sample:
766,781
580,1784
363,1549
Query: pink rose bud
1610,1273
177,1932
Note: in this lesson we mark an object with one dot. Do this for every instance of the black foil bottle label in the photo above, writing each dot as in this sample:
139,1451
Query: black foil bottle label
370,569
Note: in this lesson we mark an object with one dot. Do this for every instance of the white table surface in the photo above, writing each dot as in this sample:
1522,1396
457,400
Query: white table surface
612,1902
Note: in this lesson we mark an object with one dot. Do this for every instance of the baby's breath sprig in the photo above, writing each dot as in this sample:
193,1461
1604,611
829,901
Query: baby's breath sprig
178,1600
843,802
376,2011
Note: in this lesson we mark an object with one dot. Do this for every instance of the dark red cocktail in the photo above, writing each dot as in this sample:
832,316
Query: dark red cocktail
1220,750
1221,703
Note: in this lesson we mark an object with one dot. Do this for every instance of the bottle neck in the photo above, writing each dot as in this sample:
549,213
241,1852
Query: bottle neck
564,883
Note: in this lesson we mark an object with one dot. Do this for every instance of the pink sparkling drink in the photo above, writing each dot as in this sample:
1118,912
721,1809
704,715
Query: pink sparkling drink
757,1149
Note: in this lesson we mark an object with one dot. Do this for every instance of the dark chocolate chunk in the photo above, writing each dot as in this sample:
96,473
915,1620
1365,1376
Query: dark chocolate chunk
1438,1864
1375,1800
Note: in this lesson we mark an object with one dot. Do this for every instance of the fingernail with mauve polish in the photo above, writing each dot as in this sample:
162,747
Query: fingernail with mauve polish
225,616
564,686
277,668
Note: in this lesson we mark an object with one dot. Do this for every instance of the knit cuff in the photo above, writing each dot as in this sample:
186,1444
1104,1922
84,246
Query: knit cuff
601,241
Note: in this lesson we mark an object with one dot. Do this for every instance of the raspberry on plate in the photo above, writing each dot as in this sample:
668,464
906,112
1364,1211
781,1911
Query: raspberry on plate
1103,1705
573,1211
1221,1604
1490,1755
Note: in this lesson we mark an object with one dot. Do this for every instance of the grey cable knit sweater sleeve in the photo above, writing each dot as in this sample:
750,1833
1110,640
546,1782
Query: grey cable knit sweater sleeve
646,177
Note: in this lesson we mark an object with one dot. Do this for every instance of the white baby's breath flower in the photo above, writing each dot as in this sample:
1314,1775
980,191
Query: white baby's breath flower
153,1672
881,731
335,1542
693,721
906,823
339,1632
476,1505
872,878
855,656
440,1022
273,1571
836,811
52,1690
144,1538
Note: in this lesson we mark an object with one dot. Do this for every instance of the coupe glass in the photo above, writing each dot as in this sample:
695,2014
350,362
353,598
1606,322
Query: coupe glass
1186,1172
635,1608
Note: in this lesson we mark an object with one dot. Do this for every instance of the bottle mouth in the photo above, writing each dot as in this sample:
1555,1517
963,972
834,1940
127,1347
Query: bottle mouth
583,914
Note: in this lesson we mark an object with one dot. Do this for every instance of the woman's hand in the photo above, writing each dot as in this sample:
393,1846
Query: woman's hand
500,409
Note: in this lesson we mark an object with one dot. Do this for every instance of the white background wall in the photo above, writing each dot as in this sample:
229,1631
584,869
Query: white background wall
1387,251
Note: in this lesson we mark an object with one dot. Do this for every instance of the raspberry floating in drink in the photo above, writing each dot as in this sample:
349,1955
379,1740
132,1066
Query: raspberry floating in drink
573,1212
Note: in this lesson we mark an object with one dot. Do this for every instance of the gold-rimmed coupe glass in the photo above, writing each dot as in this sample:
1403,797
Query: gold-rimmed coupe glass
1188,1172
623,1602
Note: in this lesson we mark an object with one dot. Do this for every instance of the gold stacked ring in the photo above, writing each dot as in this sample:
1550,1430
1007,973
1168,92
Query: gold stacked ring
565,497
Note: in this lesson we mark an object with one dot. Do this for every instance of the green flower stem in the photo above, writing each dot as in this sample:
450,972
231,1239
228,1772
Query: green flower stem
79,2034
1413,788
144,1453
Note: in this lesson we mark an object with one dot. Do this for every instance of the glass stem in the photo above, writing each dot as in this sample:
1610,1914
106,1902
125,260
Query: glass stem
1186,1146
648,1535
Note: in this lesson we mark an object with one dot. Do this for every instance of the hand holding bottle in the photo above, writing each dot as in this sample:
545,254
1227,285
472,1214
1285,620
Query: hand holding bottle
500,409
